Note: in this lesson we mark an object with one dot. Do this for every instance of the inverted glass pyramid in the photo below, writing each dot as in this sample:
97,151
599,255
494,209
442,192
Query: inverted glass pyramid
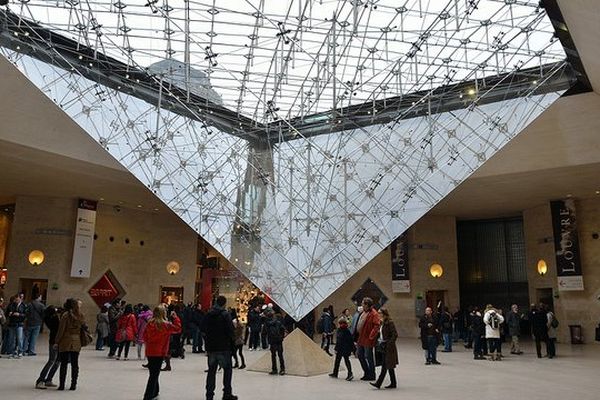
299,191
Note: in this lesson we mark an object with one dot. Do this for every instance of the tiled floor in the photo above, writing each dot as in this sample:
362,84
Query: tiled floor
574,374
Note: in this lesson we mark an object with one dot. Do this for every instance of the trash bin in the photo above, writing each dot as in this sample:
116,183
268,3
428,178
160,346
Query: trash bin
576,334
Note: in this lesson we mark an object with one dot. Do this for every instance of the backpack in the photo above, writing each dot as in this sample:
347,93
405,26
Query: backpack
554,322
320,325
274,332
494,321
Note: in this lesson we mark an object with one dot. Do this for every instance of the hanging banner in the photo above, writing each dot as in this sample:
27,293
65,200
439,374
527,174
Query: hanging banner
566,245
400,277
84,239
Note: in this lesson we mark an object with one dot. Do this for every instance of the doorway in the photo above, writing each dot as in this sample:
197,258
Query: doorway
33,287
435,299
171,294
545,296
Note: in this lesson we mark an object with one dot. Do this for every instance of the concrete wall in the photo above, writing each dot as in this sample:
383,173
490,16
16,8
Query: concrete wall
430,230
141,270
572,307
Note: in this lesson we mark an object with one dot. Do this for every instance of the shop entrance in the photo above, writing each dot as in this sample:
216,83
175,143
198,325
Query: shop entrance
33,287
171,294
435,299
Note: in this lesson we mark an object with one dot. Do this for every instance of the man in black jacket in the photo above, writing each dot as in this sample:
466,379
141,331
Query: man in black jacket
276,333
196,322
430,331
219,337
254,323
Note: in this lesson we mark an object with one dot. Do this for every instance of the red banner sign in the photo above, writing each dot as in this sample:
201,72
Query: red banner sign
104,291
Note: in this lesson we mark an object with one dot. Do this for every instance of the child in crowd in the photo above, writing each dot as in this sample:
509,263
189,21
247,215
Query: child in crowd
344,346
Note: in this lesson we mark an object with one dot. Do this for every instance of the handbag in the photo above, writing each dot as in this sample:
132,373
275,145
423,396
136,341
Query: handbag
85,337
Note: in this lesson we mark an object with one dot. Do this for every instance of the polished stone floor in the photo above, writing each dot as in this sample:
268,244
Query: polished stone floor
574,374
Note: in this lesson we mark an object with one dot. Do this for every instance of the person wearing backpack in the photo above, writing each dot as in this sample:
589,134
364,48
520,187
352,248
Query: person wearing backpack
552,325
492,320
276,333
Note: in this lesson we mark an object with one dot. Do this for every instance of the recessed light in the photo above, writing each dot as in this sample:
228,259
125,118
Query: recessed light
156,209
139,206
569,196
597,191
101,198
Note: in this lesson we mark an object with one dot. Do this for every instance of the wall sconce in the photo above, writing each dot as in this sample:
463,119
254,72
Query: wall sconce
436,270
36,257
542,267
173,267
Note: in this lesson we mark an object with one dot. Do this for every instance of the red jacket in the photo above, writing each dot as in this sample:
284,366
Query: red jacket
157,339
128,326
367,337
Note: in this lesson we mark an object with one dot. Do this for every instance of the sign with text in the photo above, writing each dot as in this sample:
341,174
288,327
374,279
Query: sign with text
83,247
400,277
566,245
104,291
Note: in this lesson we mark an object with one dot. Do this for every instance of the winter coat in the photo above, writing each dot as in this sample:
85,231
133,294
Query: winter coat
275,331
477,325
513,320
52,322
446,322
157,339
126,328
239,334
218,330
367,337
142,322
35,313
327,323
254,321
491,333
426,330
539,324
68,336
114,314
102,325
11,310
197,319
344,344
551,330
389,336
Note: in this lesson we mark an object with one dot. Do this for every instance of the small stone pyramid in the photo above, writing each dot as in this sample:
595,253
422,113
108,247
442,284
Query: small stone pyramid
302,356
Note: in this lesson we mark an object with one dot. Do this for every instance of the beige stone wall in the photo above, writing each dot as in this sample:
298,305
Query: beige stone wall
430,230
141,270
572,307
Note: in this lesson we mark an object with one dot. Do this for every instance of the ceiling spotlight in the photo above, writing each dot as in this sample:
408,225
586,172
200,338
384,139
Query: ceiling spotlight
471,92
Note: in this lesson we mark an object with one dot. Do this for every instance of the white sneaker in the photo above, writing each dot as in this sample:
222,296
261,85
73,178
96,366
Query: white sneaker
40,385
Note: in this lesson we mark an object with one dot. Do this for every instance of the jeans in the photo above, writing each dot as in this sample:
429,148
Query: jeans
216,359
51,366
551,347
67,357
326,342
431,348
197,341
336,364
477,348
277,351
367,360
447,341
152,387
31,334
15,340
254,338
99,342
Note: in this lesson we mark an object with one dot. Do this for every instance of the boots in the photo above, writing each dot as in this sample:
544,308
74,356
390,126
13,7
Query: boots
74,376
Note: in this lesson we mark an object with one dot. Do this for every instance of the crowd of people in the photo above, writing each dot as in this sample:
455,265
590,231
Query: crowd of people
162,333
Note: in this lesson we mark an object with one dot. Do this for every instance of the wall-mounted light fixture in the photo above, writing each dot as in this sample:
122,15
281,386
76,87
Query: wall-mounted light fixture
173,267
436,270
36,257
542,267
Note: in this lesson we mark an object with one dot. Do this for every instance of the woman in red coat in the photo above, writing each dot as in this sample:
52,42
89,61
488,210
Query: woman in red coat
126,331
156,337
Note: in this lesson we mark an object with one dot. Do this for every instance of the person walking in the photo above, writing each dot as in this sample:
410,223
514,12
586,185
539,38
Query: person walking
276,333
430,331
552,325
219,338
157,334
52,321
368,330
326,327
539,327
142,322
126,331
387,347
15,313
493,320
34,320
68,341
102,328
238,344
344,347
446,322
513,320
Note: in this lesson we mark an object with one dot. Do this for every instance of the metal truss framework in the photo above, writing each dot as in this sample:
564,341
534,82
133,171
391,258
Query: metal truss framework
341,123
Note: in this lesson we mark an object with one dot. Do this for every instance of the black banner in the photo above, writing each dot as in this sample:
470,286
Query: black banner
566,245
400,275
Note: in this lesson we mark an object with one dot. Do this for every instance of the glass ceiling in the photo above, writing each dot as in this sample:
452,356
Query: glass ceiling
299,216
274,59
